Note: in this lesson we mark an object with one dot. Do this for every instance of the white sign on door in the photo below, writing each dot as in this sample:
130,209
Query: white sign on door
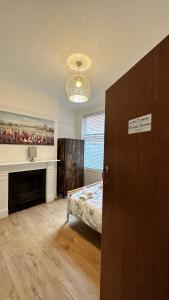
141,124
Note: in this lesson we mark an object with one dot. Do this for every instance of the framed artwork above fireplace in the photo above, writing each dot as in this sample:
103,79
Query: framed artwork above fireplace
25,130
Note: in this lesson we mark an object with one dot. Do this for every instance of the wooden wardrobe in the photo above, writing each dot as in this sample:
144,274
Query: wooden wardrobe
135,233
70,168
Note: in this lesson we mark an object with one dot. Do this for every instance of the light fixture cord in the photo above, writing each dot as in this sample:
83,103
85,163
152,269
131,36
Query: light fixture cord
79,63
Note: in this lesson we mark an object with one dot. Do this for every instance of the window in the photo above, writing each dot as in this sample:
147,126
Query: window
93,134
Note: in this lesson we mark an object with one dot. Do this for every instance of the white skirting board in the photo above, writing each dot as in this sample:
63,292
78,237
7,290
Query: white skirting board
3,213
50,198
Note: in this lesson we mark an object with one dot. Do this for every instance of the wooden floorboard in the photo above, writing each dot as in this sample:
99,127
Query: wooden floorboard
42,257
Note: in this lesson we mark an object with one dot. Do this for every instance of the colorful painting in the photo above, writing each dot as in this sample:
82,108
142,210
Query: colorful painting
25,130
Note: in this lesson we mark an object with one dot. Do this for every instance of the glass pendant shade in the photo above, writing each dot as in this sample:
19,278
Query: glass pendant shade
78,88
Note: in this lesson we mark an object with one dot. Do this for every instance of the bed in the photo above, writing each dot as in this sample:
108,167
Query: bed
86,204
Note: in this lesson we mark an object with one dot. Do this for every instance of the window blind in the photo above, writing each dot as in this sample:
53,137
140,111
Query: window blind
93,134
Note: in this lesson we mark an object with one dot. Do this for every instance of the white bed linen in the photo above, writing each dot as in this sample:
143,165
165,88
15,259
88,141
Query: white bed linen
86,204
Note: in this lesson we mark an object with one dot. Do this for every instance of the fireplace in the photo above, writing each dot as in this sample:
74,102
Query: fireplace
26,189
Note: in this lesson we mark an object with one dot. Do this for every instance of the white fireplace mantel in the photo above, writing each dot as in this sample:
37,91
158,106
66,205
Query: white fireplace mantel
16,163
9,167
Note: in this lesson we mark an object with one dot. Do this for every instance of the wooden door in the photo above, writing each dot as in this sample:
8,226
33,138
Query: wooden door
61,167
79,163
70,154
135,238
74,163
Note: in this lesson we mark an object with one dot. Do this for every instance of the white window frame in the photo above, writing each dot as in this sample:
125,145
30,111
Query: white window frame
82,131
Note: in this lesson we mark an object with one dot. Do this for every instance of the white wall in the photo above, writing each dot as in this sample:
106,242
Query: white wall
90,176
20,100
66,123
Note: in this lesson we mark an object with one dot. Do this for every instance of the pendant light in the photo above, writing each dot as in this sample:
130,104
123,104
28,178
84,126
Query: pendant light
78,86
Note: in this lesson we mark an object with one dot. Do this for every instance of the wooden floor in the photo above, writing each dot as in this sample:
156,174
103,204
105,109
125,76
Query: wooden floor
41,257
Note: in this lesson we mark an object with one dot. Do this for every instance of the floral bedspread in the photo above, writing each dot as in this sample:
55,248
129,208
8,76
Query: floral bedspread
86,204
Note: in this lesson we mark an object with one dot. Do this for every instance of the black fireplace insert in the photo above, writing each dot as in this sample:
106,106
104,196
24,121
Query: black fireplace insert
26,189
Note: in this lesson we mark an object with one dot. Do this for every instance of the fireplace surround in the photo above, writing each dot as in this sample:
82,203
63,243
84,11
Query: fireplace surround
10,167
26,189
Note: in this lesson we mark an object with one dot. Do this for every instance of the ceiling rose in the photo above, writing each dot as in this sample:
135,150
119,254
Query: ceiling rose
83,58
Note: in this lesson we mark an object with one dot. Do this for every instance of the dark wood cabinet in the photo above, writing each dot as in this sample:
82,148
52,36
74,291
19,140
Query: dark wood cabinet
70,168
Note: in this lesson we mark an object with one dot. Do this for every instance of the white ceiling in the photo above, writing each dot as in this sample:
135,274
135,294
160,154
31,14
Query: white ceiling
37,36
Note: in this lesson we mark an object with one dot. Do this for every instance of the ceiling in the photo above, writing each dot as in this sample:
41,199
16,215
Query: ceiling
37,36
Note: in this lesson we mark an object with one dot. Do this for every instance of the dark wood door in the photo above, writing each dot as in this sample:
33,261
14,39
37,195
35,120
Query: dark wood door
135,239
61,167
74,163
79,163
70,168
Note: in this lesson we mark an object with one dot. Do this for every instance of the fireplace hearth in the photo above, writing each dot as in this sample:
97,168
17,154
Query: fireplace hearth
26,189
